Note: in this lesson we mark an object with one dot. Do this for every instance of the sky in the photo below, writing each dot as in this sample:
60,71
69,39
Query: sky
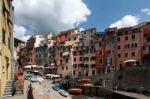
43,16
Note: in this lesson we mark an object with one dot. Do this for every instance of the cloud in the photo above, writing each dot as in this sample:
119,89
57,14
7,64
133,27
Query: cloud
20,33
146,10
50,15
126,21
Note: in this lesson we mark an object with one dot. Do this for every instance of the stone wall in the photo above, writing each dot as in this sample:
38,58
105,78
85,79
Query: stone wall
133,78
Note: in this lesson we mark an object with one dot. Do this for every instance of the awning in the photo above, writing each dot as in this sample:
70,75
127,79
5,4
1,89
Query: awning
50,67
52,64
28,66
36,71
34,65
40,66
131,60
65,53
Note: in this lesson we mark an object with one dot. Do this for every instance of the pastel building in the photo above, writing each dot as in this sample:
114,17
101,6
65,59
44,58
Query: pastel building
64,60
100,53
146,43
31,44
110,48
78,56
6,43
89,52
129,46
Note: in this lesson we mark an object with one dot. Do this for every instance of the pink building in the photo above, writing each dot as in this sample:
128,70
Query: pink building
129,44
110,48
77,59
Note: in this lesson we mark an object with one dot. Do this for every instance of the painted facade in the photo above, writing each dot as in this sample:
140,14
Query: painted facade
89,52
64,58
6,43
110,48
100,53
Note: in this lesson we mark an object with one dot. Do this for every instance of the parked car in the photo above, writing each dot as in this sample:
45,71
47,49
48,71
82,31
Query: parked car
63,93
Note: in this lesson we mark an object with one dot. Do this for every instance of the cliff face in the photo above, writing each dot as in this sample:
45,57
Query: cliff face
133,78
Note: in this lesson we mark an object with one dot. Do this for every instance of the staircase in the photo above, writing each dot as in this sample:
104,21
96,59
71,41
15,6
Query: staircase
8,90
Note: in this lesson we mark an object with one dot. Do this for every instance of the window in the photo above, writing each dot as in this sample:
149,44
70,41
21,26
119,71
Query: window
75,65
93,72
74,72
143,47
100,61
126,54
100,44
3,36
66,60
9,42
108,52
80,52
132,45
126,37
61,61
74,59
62,68
135,45
118,47
74,53
133,54
93,58
119,55
60,54
118,39
107,41
77,48
67,68
112,41
80,58
133,37
126,46
93,65
100,52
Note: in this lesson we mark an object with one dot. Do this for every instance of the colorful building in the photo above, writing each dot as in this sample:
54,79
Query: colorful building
6,43
146,43
129,46
31,44
100,53
65,40
89,60
110,48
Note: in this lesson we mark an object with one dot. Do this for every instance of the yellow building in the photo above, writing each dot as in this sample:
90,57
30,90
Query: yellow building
6,43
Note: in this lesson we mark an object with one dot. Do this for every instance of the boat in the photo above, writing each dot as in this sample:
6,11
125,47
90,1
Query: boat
63,93
75,91
56,88
88,85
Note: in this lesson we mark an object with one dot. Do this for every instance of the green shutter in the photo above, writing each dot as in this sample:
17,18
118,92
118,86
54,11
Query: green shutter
113,41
